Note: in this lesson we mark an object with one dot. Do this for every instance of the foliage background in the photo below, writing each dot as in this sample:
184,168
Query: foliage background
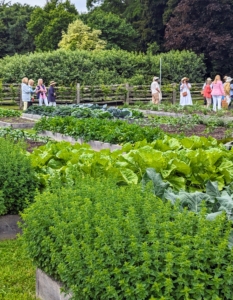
105,66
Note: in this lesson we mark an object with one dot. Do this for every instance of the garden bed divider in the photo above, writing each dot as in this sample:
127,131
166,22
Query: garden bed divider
95,145
48,288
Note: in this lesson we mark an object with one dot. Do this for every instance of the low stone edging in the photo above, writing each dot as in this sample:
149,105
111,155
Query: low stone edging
161,113
17,125
31,116
9,227
95,145
48,288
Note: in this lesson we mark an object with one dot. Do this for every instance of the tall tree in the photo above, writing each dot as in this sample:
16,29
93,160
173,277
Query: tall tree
146,16
47,23
14,36
81,36
204,27
114,29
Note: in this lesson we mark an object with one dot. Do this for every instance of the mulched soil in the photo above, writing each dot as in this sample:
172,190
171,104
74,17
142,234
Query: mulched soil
31,145
15,120
199,130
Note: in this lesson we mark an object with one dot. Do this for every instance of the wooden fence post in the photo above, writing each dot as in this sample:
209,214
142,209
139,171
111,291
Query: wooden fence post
173,93
127,93
78,93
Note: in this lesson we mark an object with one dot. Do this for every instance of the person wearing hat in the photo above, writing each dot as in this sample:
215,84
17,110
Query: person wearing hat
52,94
185,95
155,90
207,91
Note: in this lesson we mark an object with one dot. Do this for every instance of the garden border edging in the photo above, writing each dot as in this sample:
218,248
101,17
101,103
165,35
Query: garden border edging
95,145
49,289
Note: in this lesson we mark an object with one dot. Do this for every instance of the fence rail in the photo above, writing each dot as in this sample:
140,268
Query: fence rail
102,94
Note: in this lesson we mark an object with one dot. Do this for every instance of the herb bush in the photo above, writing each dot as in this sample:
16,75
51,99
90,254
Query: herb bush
101,67
9,113
111,131
109,242
17,178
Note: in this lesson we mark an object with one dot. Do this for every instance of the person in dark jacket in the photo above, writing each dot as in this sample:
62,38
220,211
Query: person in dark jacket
52,94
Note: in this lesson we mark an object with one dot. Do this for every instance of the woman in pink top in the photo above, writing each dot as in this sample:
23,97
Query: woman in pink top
217,92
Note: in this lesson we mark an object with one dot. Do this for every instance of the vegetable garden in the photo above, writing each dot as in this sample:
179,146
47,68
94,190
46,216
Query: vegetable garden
152,220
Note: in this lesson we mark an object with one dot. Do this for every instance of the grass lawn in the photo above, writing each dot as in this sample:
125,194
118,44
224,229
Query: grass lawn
17,274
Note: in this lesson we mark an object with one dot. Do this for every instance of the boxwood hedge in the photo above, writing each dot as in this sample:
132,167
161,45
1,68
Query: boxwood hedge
109,242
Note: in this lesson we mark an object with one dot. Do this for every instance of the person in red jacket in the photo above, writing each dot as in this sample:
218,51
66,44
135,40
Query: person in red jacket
207,92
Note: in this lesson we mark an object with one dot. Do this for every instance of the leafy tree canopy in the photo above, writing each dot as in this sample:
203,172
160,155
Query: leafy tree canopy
47,23
115,30
14,36
204,27
81,36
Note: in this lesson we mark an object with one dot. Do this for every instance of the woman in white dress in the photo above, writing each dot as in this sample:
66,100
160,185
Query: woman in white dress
185,95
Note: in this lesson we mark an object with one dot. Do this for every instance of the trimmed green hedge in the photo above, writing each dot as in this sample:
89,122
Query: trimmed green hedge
96,67
109,242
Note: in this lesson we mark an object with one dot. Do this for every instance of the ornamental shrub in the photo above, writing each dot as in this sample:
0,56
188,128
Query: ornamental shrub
17,179
101,67
109,242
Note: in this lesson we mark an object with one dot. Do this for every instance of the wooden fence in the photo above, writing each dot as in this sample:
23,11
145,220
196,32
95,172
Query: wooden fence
101,94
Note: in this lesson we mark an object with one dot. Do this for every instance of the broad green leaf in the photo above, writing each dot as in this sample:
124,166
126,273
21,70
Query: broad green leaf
213,216
178,183
212,189
193,200
129,176
159,185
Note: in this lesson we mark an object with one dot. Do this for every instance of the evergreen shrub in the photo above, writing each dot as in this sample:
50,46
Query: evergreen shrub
109,242
101,67
17,179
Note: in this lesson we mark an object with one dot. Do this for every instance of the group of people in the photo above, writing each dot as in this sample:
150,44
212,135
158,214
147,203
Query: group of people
214,92
217,92
48,97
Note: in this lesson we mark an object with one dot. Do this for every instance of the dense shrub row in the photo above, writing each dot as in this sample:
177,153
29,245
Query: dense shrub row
109,242
107,67
17,178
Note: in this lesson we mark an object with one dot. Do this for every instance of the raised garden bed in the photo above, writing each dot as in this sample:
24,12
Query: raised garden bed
95,145
47,288
16,122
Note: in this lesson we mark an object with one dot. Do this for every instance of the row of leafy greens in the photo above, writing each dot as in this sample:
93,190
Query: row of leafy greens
85,111
184,163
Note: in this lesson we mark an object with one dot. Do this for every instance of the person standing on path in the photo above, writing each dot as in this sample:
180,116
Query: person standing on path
32,91
227,90
155,90
207,92
25,92
41,93
217,92
185,95
52,94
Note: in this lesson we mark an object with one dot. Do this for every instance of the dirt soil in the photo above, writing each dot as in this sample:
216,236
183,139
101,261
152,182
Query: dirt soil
31,145
199,130
15,120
